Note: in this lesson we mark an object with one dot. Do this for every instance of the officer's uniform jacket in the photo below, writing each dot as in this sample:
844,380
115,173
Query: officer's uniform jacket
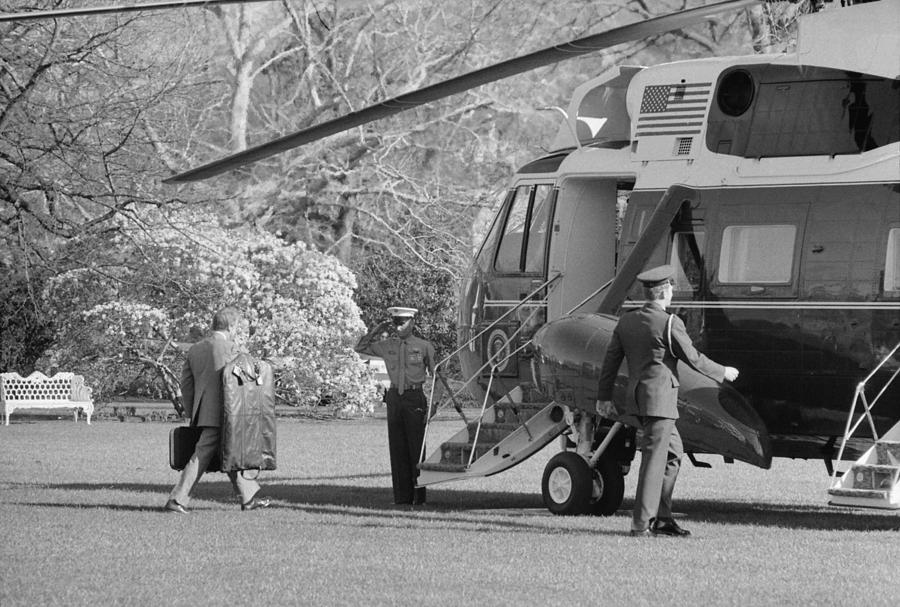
642,338
201,379
406,359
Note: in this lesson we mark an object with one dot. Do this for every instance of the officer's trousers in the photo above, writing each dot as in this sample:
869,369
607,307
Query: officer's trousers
406,415
661,452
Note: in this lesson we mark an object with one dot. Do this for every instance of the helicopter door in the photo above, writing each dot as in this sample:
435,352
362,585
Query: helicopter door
519,267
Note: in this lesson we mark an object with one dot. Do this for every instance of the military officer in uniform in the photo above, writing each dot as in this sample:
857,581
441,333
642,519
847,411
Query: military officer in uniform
652,342
407,358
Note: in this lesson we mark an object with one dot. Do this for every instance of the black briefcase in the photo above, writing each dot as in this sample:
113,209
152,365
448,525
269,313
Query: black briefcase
182,441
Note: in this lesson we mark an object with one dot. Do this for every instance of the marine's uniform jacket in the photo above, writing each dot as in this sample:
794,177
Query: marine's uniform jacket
201,379
406,359
641,338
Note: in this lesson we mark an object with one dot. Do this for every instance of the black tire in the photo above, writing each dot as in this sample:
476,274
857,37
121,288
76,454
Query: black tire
567,484
608,477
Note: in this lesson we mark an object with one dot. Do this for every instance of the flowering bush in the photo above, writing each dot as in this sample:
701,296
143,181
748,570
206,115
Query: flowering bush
124,319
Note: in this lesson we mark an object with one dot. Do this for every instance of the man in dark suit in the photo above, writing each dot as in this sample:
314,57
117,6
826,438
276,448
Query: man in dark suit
201,390
652,342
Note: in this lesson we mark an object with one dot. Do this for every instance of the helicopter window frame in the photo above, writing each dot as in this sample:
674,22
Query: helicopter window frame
891,283
483,257
684,283
738,254
540,210
515,224
504,257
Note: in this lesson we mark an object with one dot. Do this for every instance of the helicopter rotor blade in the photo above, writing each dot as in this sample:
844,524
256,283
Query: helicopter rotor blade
103,10
511,67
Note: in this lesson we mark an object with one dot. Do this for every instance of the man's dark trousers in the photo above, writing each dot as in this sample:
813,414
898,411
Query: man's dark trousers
406,431
661,452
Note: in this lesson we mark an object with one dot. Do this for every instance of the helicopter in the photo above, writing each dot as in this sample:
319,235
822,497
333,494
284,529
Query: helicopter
770,182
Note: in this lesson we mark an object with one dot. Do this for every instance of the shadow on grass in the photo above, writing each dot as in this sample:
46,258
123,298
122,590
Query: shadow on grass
492,509
812,517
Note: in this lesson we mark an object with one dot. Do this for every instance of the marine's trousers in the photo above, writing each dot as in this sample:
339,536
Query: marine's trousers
206,449
406,432
661,452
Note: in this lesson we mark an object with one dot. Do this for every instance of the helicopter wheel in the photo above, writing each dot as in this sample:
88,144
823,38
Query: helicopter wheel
610,485
567,484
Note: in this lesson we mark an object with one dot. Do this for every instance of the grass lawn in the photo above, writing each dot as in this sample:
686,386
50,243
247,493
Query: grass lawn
81,523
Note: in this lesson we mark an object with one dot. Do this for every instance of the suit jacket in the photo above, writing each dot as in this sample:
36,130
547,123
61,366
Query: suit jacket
201,379
640,337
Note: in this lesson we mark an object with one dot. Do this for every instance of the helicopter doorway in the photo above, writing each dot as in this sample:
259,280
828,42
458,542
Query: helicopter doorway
583,249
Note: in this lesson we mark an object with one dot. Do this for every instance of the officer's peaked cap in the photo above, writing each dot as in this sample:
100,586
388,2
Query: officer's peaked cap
399,312
657,276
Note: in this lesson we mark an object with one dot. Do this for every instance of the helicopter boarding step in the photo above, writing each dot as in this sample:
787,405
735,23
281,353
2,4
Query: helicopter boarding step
874,480
512,430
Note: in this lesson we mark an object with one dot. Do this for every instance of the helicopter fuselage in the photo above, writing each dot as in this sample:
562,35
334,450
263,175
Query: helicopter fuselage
785,233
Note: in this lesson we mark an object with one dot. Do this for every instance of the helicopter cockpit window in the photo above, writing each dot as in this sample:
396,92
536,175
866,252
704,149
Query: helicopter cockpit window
523,243
687,259
757,254
892,265
509,253
537,232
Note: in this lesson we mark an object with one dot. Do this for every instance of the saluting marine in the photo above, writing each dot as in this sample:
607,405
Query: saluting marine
408,358
652,342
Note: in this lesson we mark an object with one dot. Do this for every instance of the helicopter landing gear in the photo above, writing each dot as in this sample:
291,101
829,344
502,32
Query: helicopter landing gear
609,488
570,487
588,476
567,484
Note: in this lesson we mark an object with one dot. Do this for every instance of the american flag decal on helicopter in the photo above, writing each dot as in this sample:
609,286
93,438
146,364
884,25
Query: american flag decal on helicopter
673,109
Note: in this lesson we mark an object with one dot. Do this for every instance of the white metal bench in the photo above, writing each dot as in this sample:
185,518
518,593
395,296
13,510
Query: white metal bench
63,390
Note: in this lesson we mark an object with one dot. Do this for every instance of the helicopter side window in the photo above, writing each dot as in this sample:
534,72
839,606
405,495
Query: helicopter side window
892,265
757,254
509,253
687,259
537,231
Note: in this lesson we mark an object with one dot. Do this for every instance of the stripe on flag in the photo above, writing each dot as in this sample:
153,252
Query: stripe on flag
673,109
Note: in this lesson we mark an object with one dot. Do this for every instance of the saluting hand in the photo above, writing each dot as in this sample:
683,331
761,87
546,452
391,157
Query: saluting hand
731,373
605,408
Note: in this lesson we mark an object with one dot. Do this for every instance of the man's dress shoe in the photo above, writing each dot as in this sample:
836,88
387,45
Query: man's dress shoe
173,506
256,502
668,527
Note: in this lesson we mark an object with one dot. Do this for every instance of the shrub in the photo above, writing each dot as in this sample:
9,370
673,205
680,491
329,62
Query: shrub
124,318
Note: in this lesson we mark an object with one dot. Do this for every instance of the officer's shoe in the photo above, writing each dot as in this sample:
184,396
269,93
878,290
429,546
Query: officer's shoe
668,527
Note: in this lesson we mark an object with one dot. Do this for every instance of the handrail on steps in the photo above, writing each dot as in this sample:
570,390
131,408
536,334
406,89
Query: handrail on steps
860,395
500,363
487,393
471,340
494,364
